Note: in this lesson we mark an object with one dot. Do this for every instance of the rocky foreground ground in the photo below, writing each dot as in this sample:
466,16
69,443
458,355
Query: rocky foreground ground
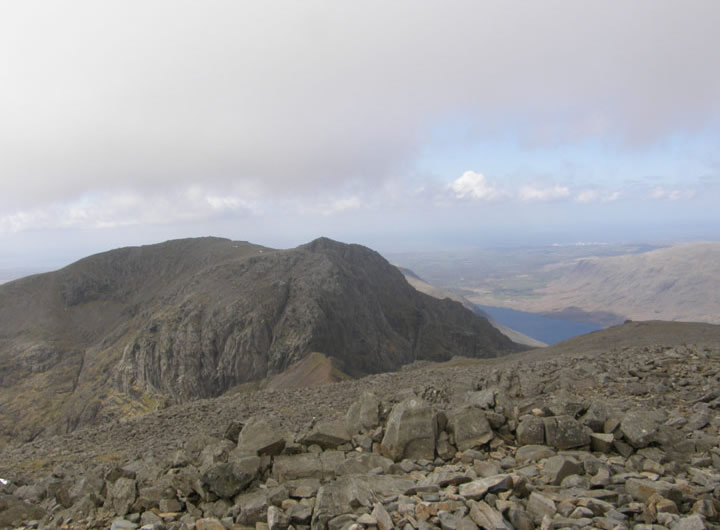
626,438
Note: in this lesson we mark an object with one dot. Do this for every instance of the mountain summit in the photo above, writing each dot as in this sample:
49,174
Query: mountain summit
125,331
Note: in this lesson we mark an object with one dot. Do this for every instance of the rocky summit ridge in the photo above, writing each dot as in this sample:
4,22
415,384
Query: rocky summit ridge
132,330
614,437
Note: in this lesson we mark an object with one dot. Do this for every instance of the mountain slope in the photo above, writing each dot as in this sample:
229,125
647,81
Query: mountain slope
675,283
126,331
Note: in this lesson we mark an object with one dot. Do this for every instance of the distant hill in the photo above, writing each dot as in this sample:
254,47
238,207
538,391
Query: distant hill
438,292
676,283
126,331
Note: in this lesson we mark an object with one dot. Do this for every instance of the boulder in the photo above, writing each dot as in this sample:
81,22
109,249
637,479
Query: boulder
486,468
362,463
300,514
209,523
410,431
277,519
488,517
382,517
596,416
565,432
539,506
484,399
692,522
363,415
32,493
531,431
259,437
169,505
477,489
89,484
470,427
556,468
232,431
339,497
639,427
59,490
642,489
14,511
186,481
253,508
303,488
215,453
533,453
122,495
520,519
601,442
307,465
303,465
444,448
228,479
327,434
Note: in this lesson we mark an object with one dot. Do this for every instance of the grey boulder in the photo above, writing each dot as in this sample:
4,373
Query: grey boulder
410,431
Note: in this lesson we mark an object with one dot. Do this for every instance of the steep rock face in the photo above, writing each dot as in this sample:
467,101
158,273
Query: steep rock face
122,332
342,300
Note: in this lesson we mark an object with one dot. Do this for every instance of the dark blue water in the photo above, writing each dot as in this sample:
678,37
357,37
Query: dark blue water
547,330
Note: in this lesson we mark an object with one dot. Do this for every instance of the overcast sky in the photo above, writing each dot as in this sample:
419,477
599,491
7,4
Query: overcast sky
400,125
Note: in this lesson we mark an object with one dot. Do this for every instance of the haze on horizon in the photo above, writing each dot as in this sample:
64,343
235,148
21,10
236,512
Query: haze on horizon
403,125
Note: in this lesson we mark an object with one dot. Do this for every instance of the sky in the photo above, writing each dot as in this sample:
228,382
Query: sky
404,125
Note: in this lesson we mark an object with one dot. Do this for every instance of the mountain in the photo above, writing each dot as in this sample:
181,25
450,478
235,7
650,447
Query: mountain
127,331
438,292
681,282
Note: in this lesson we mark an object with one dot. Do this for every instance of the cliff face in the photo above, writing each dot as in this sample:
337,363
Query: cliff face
124,331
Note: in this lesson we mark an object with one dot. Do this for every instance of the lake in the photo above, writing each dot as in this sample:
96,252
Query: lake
545,329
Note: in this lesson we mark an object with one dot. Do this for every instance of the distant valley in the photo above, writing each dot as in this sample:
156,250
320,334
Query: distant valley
601,285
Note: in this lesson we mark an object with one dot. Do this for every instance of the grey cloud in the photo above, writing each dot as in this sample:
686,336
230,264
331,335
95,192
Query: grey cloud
289,98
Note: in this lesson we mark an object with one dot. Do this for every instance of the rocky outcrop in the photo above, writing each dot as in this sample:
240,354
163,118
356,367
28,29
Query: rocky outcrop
345,301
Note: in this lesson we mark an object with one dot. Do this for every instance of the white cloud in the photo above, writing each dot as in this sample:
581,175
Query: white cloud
476,186
332,206
532,193
672,194
227,203
592,195
111,210
208,97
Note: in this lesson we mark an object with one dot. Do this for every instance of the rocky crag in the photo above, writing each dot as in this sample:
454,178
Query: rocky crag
132,330
625,437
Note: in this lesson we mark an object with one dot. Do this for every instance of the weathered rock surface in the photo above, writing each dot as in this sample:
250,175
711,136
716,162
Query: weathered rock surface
363,415
470,428
260,437
230,478
411,431
327,434
639,427
565,432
